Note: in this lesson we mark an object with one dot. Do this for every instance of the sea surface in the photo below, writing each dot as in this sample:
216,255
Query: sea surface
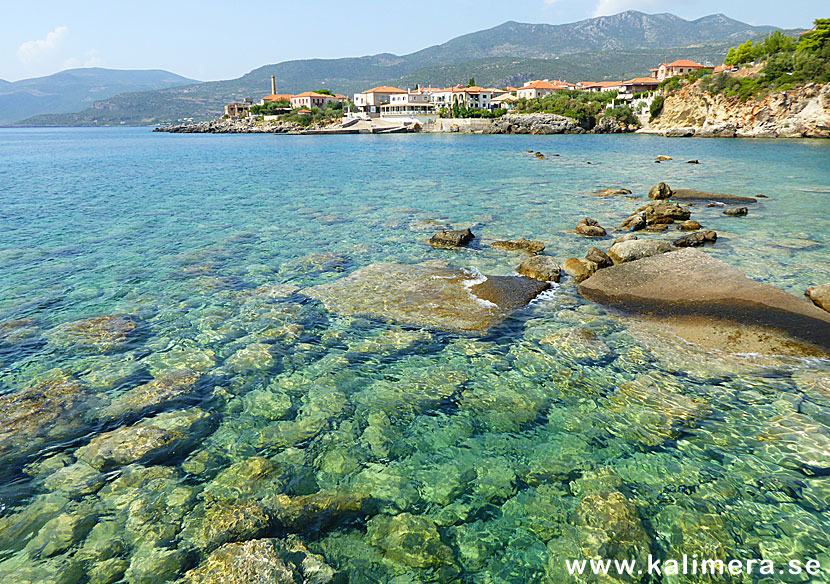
166,388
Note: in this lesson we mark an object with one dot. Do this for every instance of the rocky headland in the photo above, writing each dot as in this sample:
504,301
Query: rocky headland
227,126
803,112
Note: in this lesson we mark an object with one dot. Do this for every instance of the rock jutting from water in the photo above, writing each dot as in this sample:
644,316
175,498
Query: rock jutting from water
713,304
656,212
820,295
637,249
430,294
540,267
590,228
535,124
450,238
523,244
696,239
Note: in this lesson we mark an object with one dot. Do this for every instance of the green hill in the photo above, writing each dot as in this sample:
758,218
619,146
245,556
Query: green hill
623,45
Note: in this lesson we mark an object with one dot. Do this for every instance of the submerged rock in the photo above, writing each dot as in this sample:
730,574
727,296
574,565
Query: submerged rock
152,439
713,304
522,244
164,390
49,411
637,249
428,295
226,522
696,239
411,540
795,441
540,267
590,228
820,295
100,333
613,192
261,561
449,238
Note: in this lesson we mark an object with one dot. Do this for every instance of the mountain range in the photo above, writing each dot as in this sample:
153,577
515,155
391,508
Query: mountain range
595,49
76,89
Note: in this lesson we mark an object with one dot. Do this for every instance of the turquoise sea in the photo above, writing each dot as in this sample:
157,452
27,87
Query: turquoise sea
167,389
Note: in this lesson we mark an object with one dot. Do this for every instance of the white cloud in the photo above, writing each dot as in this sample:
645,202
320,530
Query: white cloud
31,51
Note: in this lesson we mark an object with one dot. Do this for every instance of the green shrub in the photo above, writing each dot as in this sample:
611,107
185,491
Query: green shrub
622,114
656,107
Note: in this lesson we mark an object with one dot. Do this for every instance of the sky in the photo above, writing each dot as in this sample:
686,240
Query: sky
210,40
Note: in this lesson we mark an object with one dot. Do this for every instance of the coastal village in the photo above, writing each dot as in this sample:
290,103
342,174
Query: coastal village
390,108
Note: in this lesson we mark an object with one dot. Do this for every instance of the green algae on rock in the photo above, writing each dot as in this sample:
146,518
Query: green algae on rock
428,295
261,560
100,333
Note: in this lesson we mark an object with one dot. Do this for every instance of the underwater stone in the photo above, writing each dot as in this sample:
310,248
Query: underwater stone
389,341
63,532
100,333
150,565
153,438
316,511
259,561
163,390
445,482
256,356
578,344
75,480
108,571
612,527
244,479
47,412
226,522
408,539
428,295
179,358
270,405
797,442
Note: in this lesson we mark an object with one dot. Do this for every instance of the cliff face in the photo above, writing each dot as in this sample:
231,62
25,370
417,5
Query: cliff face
803,112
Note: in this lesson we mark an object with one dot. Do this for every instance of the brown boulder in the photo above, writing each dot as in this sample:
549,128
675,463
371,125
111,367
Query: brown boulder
590,228
696,239
820,295
599,257
579,269
660,191
736,211
449,238
522,244
689,225
540,267
711,303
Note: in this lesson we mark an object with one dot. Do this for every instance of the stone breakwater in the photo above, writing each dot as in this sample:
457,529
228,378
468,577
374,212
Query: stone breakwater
223,126
803,112
553,124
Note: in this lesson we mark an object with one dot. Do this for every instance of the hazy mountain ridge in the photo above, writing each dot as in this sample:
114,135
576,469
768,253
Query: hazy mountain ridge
73,89
616,46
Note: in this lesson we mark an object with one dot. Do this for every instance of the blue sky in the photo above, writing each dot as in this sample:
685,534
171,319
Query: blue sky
220,40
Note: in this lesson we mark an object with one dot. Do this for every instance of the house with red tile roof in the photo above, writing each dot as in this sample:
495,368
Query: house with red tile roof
675,69
370,101
640,84
596,86
311,99
538,89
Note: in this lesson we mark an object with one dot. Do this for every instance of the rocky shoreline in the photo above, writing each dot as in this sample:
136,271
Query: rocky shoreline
803,112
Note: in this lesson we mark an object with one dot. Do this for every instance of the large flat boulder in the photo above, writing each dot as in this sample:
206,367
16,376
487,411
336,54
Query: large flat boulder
711,303
429,295
693,195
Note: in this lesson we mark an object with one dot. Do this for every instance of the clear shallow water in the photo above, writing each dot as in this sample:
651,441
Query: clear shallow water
566,431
